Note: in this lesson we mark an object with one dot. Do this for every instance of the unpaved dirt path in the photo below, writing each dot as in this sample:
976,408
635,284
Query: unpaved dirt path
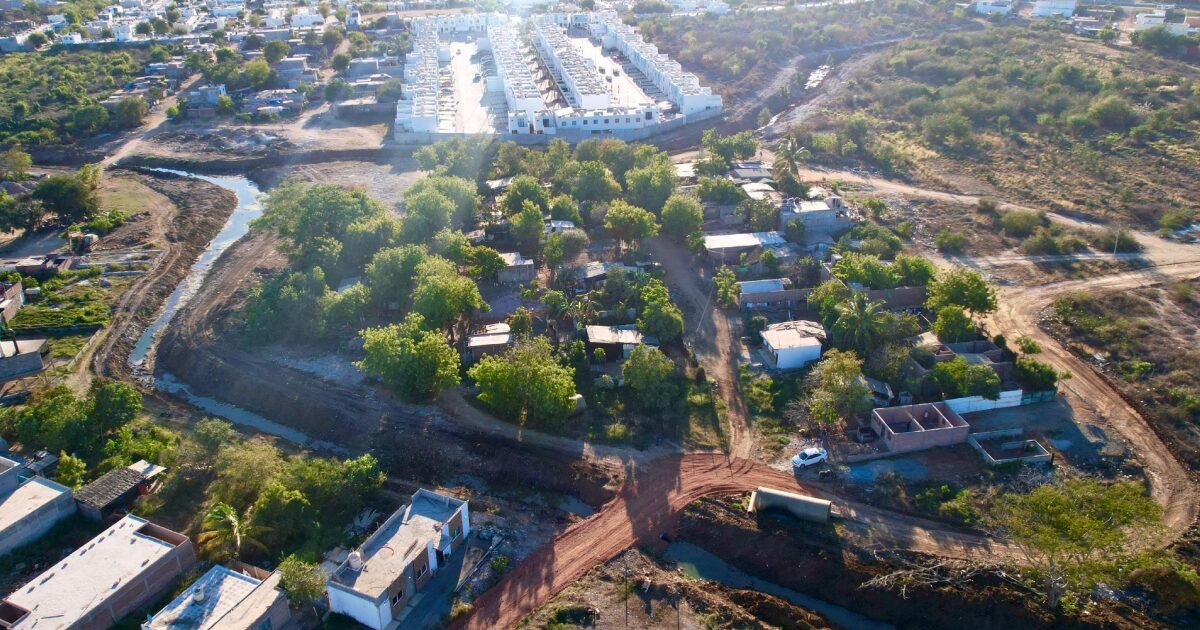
151,126
1092,398
710,332
650,504
654,495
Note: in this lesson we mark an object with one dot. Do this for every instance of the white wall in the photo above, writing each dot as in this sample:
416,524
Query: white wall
362,610
972,404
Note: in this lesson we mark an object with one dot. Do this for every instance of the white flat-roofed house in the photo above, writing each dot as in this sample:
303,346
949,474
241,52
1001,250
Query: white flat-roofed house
616,341
727,247
790,348
378,580
122,569
819,216
1158,19
238,598
29,509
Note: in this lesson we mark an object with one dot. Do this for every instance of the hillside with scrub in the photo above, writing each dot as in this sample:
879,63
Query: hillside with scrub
1028,115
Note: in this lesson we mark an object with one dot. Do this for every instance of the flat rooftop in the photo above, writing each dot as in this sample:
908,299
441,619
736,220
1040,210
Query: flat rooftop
223,590
789,338
614,335
393,545
746,239
28,498
86,579
761,286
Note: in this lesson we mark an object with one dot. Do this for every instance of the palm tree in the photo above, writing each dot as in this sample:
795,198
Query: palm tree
789,157
225,530
859,324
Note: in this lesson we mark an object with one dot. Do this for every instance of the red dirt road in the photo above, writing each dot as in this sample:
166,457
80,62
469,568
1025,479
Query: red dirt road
649,504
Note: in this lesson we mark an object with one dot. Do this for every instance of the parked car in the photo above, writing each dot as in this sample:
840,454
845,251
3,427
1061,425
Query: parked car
809,456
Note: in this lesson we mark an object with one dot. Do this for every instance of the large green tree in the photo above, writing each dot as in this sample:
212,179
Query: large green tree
524,188
526,384
837,389
650,186
1076,533
648,373
660,317
595,183
682,215
629,223
527,228
957,378
67,196
860,324
414,362
426,213
391,273
961,286
953,324
445,300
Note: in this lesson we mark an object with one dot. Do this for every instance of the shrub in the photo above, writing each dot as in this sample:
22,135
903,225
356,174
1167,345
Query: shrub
948,241
1021,223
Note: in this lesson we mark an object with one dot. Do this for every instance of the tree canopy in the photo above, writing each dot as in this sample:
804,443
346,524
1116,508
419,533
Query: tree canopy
527,384
648,372
1075,532
961,286
412,361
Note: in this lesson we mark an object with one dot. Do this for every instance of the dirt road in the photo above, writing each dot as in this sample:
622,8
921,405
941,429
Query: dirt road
710,332
650,504
153,123
1093,398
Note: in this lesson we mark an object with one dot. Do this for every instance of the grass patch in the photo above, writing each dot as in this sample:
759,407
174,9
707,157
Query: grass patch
67,346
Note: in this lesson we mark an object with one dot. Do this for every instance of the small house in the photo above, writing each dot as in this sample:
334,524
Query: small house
790,348
378,581
112,492
29,508
23,357
238,598
752,171
727,248
615,341
517,269
492,339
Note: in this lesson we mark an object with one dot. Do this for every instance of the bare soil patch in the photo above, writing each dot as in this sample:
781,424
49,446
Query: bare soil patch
656,596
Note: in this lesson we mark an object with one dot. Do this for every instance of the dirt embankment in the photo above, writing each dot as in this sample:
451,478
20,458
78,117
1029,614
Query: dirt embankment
200,210
636,590
778,550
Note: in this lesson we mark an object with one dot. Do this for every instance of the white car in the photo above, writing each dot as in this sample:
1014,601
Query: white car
809,456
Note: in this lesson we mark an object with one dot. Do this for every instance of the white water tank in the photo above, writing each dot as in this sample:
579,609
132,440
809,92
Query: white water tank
198,595
355,560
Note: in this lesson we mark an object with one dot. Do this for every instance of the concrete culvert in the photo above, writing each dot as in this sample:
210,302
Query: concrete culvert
802,507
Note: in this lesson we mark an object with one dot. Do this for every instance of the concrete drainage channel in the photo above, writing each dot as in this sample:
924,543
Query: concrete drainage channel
699,564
